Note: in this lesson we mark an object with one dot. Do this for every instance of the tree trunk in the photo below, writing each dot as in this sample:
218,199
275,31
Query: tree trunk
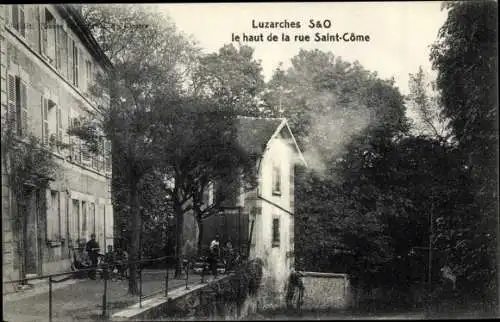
179,217
199,221
135,239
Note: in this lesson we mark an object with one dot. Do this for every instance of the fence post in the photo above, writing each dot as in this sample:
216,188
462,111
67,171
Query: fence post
104,300
187,275
166,282
50,298
140,285
203,273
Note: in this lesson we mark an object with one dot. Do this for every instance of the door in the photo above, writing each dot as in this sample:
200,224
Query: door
31,212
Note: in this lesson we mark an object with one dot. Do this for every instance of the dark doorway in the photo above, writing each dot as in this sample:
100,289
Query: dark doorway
31,212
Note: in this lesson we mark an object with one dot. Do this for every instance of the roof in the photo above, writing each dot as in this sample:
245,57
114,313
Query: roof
254,133
79,27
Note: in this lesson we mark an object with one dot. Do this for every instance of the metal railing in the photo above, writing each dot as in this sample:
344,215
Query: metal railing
107,273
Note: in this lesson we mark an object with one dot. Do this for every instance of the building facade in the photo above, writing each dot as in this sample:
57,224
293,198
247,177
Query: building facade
261,222
48,62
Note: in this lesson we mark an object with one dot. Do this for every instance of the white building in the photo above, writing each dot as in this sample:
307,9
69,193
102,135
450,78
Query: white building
266,214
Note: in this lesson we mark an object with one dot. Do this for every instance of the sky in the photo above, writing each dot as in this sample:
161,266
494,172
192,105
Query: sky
400,32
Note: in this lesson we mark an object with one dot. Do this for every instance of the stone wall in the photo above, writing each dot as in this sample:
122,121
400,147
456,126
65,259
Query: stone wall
325,291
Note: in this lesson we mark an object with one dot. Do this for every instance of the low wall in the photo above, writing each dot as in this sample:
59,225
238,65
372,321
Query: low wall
325,291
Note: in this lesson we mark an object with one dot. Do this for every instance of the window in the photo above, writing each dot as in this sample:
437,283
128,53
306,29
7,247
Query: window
59,127
276,232
75,222
54,217
17,105
276,180
49,36
18,21
51,122
75,143
98,158
75,63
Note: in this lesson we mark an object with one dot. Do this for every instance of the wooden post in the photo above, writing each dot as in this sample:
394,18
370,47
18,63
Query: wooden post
50,298
430,246
104,300
166,283
187,275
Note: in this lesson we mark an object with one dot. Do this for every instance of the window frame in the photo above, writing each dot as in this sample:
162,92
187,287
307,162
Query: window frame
51,37
55,209
20,18
276,232
76,59
17,105
276,180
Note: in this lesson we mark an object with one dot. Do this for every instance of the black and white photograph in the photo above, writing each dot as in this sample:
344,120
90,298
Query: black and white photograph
250,161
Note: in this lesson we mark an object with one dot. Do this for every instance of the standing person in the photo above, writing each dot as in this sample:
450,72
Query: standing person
110,262
294,284
229,256
93,251
214,254
123,263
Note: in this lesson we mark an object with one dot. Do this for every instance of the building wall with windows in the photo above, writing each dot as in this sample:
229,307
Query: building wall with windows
273,232
263,216
48,63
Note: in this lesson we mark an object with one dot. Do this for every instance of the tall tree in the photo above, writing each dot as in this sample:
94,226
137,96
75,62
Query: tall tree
347,120
150,65
199,147
465,56
231,77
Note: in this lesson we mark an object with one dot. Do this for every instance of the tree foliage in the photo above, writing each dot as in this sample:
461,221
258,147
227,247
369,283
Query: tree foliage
465,56
149,70
423,100
29,165
231,77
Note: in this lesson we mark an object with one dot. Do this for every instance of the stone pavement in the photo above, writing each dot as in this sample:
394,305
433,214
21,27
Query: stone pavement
81,300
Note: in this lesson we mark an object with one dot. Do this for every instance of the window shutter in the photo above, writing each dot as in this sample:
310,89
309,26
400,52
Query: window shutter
70,59
75,143
58,36
63,44
11,113
43,30
59,127
22,23
24,109
45,121
81,70
75,64
84,74
33,30
15,16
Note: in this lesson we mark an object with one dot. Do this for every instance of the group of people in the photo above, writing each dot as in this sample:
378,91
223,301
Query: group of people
87,256
225,254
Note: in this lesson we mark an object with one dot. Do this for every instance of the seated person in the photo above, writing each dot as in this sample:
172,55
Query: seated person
80,259
109,261
110,256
